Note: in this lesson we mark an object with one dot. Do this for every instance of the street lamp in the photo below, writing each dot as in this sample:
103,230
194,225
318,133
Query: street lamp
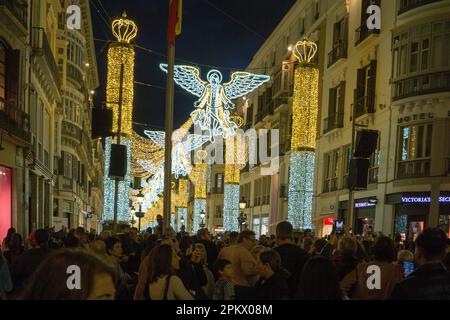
242,217
140,200
202,216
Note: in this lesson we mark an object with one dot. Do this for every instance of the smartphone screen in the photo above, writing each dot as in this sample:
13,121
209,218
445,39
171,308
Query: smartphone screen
339,226
408,268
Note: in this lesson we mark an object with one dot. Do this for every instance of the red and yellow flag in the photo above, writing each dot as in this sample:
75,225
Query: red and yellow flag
175,18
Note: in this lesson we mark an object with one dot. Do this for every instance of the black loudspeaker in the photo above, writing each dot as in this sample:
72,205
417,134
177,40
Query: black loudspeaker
101,122
366,143
358,173
118,162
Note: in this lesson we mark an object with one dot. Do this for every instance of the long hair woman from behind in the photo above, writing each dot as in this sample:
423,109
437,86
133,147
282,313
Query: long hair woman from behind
72,274
319,280
162,283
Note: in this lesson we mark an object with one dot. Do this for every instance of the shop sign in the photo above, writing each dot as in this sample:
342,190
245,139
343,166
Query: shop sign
364,204
423,199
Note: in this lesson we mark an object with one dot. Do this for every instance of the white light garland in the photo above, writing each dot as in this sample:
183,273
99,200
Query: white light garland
301,181
231,207
123,212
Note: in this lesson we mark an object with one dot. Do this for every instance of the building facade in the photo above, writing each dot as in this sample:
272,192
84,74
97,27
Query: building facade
395,80
37,84
77,188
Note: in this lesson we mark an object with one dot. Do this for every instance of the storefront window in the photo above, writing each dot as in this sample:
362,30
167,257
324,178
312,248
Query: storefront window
256,226
265,226
5,201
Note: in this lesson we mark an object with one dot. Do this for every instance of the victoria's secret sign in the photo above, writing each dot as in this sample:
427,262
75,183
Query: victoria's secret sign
423,199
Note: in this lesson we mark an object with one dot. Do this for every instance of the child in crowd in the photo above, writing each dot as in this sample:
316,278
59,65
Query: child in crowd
224,290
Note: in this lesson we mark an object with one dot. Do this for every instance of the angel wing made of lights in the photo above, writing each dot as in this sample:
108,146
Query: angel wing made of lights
188,78
242,83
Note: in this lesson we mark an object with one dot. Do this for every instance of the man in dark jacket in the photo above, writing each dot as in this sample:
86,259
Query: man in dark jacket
293,258
205,238
25,265
431,280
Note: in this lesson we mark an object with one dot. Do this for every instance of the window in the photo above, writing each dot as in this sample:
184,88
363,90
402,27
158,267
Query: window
256,226
414,60
336,106
249,115
331,171
374,164
365,89
68,166
415,150
347,153
219,182
219,212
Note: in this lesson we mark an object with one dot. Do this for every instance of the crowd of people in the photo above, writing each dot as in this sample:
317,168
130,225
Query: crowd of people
233,266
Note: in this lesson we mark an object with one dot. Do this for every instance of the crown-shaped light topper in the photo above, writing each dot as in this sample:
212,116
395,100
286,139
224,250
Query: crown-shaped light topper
124,29
305,50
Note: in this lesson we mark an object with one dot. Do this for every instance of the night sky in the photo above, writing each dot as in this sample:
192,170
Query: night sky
209,37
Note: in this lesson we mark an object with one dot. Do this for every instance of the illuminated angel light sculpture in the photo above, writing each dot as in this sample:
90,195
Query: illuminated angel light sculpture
212,113
181,151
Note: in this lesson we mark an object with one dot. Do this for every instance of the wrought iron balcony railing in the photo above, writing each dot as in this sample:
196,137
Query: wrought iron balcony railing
407,5
339,52
334,121
413,169
421,85
364,105
362,33
14,121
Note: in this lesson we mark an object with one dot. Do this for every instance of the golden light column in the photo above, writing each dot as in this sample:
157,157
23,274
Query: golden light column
198,178
121,55
233,148
304,131
120,75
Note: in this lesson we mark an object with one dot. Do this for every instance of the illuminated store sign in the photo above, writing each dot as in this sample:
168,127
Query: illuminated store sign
423,199
364,204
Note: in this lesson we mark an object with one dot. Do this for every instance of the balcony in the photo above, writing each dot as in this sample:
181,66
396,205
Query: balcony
339,52
69,130
330,185
407,5
421,85
364,105
413,169
14,121
14,14
41,47
362,33
335,121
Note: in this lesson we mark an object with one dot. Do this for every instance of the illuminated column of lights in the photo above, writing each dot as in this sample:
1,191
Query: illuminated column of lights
231,186
123,212
199,195
304,129
183,197
120,53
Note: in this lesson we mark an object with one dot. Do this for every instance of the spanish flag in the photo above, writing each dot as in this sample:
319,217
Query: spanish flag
175,17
